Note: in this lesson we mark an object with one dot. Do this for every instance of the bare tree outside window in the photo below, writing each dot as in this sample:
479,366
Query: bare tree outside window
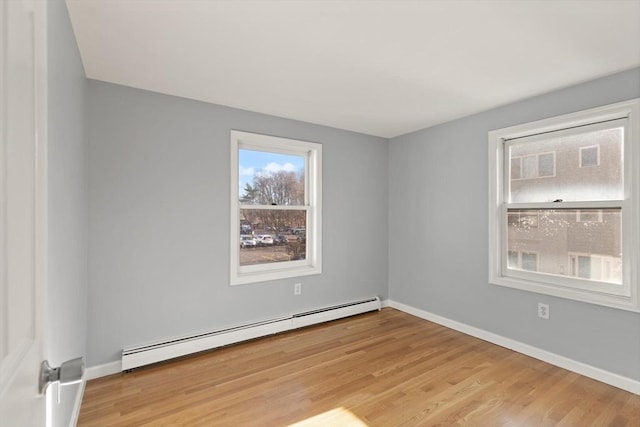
282,188
276,208
277,181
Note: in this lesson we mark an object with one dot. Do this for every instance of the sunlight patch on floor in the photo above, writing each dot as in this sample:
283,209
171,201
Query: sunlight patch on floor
336,417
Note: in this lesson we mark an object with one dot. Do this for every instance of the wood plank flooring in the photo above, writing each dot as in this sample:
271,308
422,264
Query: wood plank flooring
378,369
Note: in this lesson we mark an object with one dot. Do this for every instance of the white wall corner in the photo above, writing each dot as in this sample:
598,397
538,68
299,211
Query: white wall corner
616,380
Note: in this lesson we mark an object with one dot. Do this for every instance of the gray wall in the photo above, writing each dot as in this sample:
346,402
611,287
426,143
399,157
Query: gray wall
66,303
159,215
159,219
438,235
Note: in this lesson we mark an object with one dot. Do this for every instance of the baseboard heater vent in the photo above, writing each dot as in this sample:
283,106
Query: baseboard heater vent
134,357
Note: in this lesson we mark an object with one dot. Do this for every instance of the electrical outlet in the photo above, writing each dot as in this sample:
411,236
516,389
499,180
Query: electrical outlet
543,311
297,289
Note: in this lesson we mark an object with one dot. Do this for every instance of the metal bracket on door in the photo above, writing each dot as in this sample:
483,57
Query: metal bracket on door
70,372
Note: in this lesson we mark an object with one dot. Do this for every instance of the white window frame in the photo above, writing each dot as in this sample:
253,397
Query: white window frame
312,264
597,147
624,296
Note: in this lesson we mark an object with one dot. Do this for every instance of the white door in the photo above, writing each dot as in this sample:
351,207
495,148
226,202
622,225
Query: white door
22,209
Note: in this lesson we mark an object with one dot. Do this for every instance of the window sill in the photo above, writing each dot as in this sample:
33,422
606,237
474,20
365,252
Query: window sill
264,276
629,303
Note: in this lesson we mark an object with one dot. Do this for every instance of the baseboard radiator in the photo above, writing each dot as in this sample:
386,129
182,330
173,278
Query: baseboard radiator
134,357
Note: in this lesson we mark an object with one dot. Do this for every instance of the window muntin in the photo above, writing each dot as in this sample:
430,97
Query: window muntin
587,232
276,192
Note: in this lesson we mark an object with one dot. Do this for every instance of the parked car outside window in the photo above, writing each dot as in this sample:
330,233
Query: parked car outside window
264,240
247,242
281,240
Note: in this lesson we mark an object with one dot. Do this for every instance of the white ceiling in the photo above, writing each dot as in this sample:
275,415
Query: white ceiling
383,68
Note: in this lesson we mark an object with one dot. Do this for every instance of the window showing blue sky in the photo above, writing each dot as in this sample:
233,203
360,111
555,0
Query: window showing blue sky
252,162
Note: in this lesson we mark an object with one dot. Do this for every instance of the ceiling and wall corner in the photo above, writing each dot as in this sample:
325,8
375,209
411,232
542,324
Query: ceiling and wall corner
382,68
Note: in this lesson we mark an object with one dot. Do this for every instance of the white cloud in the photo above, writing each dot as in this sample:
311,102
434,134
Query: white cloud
246,171
274,167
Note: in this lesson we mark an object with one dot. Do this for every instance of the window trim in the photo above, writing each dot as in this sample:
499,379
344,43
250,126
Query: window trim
312,264
625,297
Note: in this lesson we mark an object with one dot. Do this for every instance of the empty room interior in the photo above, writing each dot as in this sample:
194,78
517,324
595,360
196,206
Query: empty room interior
321,213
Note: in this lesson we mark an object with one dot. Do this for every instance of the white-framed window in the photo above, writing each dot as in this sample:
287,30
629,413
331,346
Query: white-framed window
594,266
582,224
589,215
533,166
590,156
522,260
523,219
276,208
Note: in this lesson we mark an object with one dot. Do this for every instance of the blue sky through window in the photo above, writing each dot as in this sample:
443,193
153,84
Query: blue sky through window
252,162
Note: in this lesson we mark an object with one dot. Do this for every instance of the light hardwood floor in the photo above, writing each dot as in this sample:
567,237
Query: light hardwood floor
378,369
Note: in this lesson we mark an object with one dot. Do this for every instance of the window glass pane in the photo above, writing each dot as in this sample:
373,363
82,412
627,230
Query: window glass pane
272,235
513,218
515,168
548,176
562,245
529,261
525,219
584,267
589,215
270,178
545,164
530,167
589,156
529,219
513,259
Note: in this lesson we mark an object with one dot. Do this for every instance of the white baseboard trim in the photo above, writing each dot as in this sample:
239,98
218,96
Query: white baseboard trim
384,303
75,414
104,370
616,380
